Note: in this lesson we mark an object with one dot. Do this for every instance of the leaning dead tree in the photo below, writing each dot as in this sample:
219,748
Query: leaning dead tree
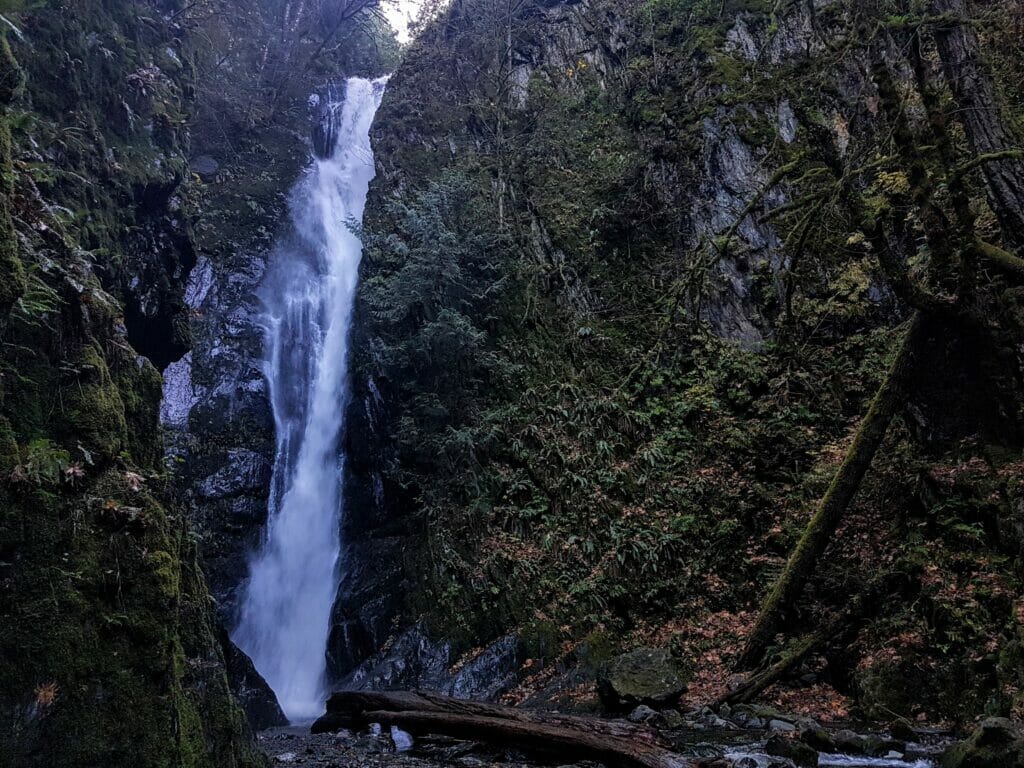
954,299
612,742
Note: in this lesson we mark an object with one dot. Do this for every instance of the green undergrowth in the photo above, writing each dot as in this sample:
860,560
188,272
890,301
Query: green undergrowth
587,454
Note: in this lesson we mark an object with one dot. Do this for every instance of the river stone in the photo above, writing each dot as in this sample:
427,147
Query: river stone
818,739
641,714
878,746
798,752
997,743
205,166
851,743
668,718
649,676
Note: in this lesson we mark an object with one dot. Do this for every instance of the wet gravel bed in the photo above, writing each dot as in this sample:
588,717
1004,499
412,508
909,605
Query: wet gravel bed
295,746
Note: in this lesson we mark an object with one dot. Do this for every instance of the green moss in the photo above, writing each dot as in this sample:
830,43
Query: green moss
121,632
13,282
139,386
93,409
12,78
997,743
166,574
599,648
101,600
9,452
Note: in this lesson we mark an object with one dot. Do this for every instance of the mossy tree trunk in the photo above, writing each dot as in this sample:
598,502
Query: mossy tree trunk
887,402
955,251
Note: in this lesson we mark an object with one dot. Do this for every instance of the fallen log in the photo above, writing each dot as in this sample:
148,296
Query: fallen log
613,742
758,683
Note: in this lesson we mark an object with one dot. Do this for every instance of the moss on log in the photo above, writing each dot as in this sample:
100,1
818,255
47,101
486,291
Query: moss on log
820,530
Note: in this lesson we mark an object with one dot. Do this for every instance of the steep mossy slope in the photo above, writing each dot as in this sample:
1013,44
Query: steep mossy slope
623,307
108,644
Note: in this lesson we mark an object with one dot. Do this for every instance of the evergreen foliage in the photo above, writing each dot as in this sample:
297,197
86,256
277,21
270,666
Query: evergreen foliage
653,445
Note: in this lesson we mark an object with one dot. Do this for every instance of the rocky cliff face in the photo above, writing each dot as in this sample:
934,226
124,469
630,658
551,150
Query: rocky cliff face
252,138
109,640
619,307
270,68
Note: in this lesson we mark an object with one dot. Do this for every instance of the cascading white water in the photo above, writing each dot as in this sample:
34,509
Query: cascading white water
309,291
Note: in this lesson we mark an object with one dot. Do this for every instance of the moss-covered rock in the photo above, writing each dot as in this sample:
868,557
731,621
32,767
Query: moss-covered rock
14,282
801,754
94,409
996,743
12,78
645,676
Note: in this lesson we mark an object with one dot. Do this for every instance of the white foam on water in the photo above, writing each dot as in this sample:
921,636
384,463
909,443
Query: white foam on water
309,291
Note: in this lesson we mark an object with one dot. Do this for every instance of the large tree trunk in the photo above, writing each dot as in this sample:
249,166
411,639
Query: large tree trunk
978,111
889,399
613,742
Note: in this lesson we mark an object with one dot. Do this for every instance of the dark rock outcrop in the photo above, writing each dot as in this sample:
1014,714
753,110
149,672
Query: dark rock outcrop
413,660
800,754
252,692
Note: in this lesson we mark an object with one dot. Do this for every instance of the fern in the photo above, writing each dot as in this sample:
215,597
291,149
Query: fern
38,302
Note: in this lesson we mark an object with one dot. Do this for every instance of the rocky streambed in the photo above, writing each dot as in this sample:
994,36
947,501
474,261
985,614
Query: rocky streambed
747,737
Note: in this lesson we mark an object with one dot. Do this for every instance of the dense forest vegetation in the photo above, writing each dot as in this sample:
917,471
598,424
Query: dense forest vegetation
678,301
690,326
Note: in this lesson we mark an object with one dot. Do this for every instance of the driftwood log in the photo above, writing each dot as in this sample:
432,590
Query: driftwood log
613,742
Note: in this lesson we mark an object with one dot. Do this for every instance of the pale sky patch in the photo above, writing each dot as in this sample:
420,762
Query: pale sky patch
400,14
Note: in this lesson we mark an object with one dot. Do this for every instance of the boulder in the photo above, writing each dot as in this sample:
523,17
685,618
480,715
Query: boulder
798,752
649,676
997,743
877,746
818,739
668,718
642,714
204,166
851,743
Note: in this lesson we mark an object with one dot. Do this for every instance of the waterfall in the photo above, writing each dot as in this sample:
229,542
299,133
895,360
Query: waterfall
309,290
